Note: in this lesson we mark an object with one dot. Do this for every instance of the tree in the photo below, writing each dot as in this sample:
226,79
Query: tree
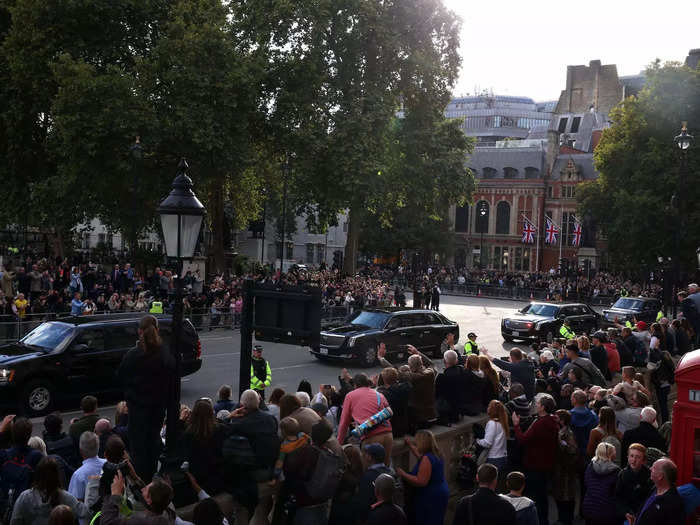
639,170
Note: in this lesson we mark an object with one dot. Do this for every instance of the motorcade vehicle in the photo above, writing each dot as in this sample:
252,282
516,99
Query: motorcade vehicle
632,309
358,338
76,356
539,321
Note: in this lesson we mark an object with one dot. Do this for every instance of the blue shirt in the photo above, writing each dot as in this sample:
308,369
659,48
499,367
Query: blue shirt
76,307
79,479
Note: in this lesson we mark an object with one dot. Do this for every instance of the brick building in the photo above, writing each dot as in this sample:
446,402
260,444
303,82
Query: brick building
535,175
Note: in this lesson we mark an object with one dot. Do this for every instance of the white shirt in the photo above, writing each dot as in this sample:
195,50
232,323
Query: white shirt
495,439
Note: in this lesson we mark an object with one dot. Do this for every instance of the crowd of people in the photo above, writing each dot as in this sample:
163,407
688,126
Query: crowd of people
581,422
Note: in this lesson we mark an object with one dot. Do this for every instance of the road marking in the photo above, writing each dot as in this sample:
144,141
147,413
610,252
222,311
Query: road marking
215,338
291,366
220,355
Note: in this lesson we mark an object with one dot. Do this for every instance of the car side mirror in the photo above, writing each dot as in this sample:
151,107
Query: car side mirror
561,316
80,347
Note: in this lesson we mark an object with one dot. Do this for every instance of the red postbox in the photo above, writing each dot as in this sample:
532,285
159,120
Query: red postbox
685,433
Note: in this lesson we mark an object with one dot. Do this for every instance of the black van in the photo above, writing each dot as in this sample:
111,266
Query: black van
76,356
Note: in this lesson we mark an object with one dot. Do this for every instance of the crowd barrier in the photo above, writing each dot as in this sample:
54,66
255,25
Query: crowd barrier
204,319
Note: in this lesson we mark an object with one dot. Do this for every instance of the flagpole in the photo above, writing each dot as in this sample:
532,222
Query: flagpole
537,249
561,238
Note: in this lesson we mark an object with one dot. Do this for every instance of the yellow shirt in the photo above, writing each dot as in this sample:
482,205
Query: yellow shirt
21,305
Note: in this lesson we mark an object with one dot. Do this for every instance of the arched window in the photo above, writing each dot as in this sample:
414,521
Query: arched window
462,219
481,222
503,218
490,173
510,173
532,173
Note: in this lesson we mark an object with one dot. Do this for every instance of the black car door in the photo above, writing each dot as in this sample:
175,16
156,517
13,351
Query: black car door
420,331
569,313
398,334
118,341
83,365
436,331
590,318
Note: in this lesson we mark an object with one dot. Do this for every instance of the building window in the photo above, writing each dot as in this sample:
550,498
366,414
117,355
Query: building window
462,219
568,192
500,257
290,250
278,249
532,173
320,253
490,173
345,227
575,124
562,124
550,192
567,224
309,253
503,218
510,173
481,224
101,238
521,261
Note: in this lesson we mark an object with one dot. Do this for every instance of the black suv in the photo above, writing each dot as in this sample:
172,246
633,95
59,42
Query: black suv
396,327
631,308
542,321
77,356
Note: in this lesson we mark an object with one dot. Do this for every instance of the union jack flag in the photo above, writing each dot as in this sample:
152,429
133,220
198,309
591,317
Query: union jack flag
529,231
551,232
576,234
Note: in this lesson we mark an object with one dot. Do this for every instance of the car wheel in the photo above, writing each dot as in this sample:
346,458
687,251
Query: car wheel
38,398
508,339
368,356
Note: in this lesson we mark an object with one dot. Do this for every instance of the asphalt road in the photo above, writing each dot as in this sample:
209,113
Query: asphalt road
291,364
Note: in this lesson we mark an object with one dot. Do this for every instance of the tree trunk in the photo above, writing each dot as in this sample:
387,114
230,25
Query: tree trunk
350,259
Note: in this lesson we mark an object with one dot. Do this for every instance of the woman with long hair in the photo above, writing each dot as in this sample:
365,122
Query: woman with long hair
584,344
148,374
345,505
34,505
474,387
565,474
496,435
492,385
202,444
606,430
431,493
599,504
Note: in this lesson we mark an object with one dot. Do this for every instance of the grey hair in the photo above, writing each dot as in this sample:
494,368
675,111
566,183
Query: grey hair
37,443
450,357
250,400
648,415
89,444
303,398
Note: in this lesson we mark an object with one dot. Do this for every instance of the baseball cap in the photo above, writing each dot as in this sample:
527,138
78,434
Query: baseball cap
375,451
641,325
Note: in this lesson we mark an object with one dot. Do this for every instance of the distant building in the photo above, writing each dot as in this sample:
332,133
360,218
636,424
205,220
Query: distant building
528,160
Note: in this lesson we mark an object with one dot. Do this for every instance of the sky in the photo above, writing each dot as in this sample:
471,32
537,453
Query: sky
522,48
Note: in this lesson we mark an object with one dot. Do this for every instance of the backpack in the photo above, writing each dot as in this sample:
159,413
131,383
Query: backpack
15,477
326,476
238,452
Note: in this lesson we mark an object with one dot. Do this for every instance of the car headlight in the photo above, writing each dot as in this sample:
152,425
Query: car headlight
352,340
6,375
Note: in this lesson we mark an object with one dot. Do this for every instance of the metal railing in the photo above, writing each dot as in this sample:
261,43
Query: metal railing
203,319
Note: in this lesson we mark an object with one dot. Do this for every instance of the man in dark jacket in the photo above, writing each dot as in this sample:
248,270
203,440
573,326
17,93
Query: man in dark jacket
599,355
86,422
485,506
384,511
664,506
449,390
521,370
373,456
645,434
397,392
591,374
633,483
583,420
525,510
58,442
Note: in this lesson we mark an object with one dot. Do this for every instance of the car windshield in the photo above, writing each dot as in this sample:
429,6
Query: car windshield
546,310
48,335
371,319
628,304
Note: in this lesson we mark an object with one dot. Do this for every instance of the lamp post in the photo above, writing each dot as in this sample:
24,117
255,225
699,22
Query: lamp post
284,212
482,213
181,216
684,141
136,156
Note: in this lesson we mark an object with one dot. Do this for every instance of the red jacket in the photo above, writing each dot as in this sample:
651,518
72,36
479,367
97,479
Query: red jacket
541,443
613,357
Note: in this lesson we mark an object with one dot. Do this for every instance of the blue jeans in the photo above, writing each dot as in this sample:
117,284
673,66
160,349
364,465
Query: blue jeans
500,463
662,396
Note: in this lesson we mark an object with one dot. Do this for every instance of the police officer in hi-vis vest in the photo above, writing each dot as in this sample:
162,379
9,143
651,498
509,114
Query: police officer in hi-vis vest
470,347
260,374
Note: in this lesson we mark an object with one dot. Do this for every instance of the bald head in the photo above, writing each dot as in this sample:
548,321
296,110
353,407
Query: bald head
102,426
384,487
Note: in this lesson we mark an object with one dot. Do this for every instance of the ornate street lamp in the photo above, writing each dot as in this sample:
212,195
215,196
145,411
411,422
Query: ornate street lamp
482,212
684,141
181,216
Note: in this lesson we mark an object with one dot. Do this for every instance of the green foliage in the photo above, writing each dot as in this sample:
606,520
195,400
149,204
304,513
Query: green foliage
639,166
